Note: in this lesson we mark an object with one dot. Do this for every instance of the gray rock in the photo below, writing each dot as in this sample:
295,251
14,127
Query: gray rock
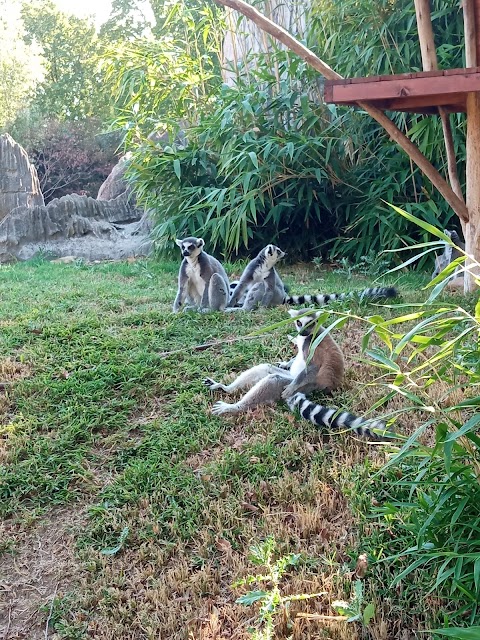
108,228
19,184
73,225
115,184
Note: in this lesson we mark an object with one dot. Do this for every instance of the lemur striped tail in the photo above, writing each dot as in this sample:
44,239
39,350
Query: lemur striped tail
374,293
333,418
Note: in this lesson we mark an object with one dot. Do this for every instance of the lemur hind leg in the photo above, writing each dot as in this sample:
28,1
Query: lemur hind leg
217,293
266,391
246,379
254,296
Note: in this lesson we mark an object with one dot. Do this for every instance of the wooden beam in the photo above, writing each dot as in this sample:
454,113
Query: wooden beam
452,103
399,88
394,132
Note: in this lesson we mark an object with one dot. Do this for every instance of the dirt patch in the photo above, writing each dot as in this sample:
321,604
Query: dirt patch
41,567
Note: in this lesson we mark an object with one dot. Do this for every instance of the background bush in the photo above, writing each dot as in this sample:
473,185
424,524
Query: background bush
266,160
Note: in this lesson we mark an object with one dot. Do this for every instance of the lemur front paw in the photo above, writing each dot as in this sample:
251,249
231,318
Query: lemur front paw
221,407
283,365
209,382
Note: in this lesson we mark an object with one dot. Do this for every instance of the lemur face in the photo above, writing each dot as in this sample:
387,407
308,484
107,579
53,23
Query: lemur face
190,247
273,253
304,324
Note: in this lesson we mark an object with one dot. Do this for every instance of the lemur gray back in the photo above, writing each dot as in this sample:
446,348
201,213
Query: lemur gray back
449,253
260,284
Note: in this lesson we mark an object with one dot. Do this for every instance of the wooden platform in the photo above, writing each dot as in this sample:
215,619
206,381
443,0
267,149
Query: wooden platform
419,92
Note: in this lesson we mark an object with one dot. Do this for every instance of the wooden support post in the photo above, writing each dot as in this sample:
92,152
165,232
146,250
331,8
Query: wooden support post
425,35
471,15
430,63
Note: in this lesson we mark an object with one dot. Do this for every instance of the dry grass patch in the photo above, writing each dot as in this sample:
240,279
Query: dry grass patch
183,590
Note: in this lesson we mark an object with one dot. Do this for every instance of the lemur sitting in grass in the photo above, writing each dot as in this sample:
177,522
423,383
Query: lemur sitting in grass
261,286
269,383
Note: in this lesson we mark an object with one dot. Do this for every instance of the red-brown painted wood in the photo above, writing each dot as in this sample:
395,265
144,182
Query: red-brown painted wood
408,92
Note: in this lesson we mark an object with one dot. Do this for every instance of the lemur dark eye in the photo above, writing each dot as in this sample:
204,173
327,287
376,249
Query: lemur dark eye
298,324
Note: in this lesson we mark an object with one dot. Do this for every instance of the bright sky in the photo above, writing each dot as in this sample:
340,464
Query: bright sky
98,8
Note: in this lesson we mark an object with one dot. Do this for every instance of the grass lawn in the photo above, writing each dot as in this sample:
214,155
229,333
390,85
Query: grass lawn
128,509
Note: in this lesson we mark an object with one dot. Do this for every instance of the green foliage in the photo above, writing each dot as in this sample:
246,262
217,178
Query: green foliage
20,65
159,83
372,265
473,633
244,178
73,86
379,37
429,489
264,160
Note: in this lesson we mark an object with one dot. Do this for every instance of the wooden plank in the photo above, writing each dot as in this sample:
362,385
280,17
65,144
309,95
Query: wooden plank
405,88
411,103
399,76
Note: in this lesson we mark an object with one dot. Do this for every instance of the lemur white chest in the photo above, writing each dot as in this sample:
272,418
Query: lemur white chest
195,280
299,364
263,271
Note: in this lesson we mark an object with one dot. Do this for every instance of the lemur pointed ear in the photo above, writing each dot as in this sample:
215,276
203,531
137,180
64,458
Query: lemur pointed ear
293,313
200,242
178,242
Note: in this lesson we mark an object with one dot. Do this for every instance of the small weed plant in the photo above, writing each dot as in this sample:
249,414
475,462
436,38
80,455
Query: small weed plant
272,602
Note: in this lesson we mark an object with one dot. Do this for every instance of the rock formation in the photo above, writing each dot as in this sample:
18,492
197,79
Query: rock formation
115,184
19,184
110,227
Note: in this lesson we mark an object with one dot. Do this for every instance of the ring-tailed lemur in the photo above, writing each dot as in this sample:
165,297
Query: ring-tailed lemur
260,285
449,255
334,418
202,281
268,383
